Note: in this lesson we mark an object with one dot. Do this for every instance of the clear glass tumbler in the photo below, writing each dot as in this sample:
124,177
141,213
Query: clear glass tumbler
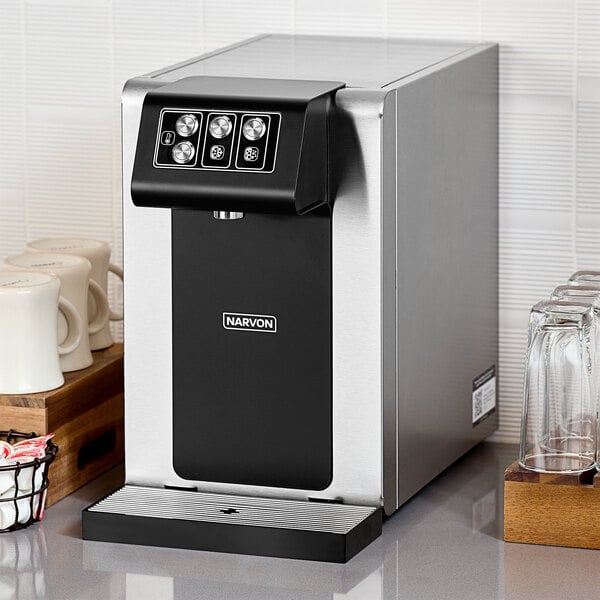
577,293
589,296
588,278
558,428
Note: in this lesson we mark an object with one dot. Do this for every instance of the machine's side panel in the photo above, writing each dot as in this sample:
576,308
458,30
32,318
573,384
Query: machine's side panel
447,287
357,286
389,312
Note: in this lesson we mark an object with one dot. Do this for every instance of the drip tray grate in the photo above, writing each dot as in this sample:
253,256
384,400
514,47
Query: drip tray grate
227,523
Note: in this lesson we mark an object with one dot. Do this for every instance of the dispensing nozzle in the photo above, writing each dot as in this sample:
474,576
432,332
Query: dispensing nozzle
226,215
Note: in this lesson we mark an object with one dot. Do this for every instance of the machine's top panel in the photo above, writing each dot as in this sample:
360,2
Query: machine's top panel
360,62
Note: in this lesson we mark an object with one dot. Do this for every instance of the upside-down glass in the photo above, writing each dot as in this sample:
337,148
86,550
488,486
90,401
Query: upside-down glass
575,293
588,278
590,296
558,428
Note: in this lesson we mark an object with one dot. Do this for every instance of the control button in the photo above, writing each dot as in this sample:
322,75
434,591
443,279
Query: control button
168,137
217,152
251,154
186,125
183,152
220,126
254,128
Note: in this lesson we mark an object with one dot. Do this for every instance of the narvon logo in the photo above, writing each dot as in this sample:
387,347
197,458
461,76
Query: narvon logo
246,322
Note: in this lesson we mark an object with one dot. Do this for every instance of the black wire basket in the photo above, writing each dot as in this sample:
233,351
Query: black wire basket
27,504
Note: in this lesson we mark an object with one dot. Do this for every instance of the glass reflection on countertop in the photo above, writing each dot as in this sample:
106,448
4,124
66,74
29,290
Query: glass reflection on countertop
23,558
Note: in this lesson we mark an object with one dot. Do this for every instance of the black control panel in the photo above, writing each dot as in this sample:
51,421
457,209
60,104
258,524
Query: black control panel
235,144
217,140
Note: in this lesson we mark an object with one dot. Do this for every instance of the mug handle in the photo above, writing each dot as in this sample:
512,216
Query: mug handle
101,318
74,325
116,315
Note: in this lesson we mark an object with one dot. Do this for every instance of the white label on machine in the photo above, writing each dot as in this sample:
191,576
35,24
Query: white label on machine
484,395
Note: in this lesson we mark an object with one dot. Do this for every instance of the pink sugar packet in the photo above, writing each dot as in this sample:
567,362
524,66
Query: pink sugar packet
5,449
27,454
41,507
37,441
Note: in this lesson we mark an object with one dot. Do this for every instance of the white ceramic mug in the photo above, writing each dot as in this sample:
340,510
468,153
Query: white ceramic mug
74,274
98,253
29,349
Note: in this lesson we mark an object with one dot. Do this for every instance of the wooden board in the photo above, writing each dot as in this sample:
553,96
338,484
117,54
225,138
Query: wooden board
553,510
86,416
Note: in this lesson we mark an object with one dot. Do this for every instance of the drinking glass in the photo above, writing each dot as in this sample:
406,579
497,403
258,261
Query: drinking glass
588,278
577,293
558,428
589,296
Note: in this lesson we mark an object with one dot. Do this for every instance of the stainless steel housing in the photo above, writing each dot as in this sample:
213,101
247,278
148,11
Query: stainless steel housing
414,159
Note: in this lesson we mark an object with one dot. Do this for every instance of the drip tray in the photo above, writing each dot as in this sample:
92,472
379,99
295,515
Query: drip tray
237,524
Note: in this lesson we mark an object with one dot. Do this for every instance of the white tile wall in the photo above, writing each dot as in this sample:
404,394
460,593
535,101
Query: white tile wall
63,63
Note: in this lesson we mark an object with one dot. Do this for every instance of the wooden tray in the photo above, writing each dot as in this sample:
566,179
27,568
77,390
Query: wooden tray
553,510
85,414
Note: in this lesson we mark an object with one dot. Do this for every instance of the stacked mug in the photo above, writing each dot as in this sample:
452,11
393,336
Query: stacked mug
54,312
559,426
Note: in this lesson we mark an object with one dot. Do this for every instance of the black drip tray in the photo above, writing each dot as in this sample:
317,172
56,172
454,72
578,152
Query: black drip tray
237,524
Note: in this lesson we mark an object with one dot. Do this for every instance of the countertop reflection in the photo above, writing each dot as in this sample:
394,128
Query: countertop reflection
446,543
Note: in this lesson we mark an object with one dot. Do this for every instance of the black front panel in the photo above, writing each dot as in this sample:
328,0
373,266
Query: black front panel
252,398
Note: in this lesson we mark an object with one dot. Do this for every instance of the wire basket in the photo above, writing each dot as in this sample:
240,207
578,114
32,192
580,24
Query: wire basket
24,500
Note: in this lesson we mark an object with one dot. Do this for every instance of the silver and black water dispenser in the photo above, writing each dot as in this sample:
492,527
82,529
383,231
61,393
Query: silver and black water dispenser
310,241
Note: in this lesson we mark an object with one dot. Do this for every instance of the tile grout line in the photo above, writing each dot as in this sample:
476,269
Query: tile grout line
575,123
25,121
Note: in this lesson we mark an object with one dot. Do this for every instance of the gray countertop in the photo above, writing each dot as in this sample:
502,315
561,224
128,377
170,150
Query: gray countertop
446,543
